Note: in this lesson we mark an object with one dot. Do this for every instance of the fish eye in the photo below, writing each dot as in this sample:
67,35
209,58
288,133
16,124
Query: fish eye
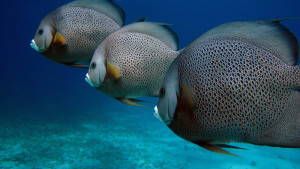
162,92
40,32
93,65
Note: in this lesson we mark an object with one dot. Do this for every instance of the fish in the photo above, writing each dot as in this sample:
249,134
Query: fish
238,82
132,61
70,34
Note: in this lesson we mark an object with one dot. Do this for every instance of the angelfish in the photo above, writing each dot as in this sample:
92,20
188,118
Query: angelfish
238,82
132,61
70,34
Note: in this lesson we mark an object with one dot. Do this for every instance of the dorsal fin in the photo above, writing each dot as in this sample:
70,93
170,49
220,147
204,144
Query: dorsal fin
268,34
142,19
107,7
160,31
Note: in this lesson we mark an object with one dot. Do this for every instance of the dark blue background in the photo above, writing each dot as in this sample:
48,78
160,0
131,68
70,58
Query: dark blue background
31,85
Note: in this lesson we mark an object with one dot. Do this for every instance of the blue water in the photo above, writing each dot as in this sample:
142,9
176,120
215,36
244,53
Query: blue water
51,118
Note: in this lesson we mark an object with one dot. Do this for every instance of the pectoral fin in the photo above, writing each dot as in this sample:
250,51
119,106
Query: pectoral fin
132,102
59,39
186,103
111,71
214,148
187,99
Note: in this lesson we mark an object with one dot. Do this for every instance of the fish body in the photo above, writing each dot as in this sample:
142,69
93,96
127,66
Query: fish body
236,83
140,53
70,34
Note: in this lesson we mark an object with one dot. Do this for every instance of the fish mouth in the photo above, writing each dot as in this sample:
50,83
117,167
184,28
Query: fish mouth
88,80
156,114
35,47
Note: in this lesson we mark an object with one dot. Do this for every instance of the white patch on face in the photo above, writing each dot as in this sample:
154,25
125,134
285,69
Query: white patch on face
102,70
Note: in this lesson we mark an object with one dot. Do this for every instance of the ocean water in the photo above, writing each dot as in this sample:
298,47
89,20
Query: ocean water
51,118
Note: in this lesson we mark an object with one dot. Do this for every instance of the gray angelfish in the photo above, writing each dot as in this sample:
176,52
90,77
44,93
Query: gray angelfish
238,82
70,34
132,61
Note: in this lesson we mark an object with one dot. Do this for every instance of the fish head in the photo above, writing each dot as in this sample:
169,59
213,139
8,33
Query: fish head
43,37
48,40
168,97
97,70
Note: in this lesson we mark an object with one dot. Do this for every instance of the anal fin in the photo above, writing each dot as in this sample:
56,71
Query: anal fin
214,148
229,146
77,65
137,100
131,101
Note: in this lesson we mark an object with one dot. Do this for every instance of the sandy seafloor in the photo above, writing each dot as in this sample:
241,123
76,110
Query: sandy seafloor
119,138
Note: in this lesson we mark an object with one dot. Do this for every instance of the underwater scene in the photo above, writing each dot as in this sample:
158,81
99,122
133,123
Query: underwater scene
100,84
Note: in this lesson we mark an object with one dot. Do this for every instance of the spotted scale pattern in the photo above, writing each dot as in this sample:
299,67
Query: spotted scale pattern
142,62
242,93
84,29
